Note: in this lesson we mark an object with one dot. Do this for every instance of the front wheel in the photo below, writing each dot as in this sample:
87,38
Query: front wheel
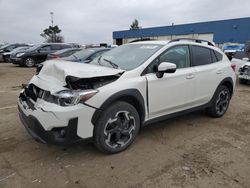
29,62
116,128
220,102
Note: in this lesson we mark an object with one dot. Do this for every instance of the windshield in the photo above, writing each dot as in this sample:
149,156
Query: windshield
4,46
127,57
20,48
34,47
79,56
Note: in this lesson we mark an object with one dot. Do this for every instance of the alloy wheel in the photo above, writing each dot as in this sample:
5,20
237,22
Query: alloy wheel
222,102
118,131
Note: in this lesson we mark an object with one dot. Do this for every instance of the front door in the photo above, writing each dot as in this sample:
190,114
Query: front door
175,91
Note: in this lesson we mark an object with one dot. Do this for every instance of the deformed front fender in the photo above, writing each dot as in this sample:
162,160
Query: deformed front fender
132,96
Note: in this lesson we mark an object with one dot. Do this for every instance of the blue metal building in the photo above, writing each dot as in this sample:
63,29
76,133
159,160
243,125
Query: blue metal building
233,30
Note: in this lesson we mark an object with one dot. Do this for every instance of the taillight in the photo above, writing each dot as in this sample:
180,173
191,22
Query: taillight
233,66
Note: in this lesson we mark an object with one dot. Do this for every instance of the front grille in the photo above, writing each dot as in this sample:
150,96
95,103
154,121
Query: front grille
12,55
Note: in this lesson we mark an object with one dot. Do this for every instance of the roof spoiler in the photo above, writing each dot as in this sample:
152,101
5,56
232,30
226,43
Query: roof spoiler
193,40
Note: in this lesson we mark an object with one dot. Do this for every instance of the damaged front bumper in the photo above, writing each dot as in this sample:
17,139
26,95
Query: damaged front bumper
54,124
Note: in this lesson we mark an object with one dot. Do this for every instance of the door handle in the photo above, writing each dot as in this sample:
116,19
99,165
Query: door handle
190,76
219,72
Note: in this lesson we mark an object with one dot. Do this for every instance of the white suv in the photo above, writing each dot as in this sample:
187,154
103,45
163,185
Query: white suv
112,97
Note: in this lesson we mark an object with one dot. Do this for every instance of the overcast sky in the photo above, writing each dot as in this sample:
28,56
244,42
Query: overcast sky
93,21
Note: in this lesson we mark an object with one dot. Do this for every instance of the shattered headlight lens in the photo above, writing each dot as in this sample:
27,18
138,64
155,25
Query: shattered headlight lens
73,97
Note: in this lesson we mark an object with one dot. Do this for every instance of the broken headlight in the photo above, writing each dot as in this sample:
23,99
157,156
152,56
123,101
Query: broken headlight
73,97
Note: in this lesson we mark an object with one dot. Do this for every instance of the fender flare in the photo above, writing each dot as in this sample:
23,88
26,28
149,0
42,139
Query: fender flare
122,95
226,80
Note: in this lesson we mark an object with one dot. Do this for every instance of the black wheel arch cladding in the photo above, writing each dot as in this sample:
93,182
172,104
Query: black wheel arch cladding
228,82
131,96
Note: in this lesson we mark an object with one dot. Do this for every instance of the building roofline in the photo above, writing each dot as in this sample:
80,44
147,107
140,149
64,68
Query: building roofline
201,22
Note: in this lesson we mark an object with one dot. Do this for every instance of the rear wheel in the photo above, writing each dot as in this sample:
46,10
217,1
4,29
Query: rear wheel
116,128
29,62
220,102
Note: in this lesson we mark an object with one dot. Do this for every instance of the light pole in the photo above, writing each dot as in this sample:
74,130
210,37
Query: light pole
51,16
172,31
52,23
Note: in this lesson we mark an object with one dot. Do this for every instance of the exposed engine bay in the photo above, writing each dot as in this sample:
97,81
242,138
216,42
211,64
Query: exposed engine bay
89,83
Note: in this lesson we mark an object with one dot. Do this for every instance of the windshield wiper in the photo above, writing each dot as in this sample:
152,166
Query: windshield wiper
75,57
98,61
111,63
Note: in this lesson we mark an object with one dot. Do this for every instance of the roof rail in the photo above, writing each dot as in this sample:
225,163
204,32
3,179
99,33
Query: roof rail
142,39
194,40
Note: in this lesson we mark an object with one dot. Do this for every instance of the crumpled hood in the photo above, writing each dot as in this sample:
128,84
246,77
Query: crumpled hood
57,70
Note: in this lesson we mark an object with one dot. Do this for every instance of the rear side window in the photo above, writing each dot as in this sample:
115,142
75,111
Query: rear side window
56,47
214,58
65,46
218,55
201,56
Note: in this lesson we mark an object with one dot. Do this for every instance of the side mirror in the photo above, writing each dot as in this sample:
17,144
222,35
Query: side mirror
245,59
39,50
165,67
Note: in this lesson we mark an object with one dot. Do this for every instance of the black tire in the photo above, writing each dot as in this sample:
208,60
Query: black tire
7,60
220,102
4,59
242,81
29,62
116,128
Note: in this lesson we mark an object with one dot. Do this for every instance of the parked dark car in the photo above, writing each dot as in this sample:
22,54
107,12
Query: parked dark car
5,49
63,53
86,55
37,54
7,55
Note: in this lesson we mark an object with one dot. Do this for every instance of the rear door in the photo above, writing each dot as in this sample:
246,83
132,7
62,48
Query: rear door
175,91
209,72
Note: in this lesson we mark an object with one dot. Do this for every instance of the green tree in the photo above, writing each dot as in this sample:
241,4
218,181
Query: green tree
51,34
135,25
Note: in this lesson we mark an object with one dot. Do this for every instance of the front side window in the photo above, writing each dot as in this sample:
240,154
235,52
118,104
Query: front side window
45,48
201,56
179,55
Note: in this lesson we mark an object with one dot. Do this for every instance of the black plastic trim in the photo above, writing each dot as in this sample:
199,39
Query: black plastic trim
230,80
193,40
173,115
36,130
134,93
